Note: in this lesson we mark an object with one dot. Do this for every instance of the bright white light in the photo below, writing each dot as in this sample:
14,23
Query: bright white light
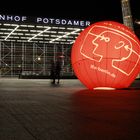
23,25
31,26
104,88
38,34
39,26
39,58
62,28
22,30
70,28
36,31
3,29
11,32
138,22
65,35
55,27
10,24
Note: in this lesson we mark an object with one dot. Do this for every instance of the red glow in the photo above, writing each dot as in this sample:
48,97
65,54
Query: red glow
106,54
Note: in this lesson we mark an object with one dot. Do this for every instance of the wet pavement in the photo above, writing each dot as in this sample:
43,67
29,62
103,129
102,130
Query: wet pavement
37,110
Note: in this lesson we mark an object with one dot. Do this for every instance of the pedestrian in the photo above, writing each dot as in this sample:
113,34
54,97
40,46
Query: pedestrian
20,73
52,72
58,70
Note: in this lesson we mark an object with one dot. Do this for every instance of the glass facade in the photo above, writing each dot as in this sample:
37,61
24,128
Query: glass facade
27,48
33,59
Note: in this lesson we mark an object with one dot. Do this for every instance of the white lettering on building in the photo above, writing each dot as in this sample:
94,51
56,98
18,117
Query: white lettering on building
45,20
12,18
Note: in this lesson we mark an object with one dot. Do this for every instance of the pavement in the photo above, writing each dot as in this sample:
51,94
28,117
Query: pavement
34,109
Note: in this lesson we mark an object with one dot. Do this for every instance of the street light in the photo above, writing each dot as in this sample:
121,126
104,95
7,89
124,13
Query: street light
38,58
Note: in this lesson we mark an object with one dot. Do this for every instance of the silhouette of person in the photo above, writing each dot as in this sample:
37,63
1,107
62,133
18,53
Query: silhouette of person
52,72
20,73
57,70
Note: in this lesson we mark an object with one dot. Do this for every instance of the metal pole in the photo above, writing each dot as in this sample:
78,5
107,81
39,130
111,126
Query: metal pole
126,13
11,59
0,61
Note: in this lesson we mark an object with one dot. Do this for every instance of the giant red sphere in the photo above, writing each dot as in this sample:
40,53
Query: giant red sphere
106,54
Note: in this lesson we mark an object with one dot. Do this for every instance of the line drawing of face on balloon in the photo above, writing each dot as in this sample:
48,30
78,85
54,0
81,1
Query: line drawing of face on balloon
113,42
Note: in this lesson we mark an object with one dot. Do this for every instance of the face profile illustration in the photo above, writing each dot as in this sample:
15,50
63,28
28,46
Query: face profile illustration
117,46
106,55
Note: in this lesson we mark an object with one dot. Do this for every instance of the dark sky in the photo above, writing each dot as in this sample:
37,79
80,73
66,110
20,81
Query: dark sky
95,10
135,8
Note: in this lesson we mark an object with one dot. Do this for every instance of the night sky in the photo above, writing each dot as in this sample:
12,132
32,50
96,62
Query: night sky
95,10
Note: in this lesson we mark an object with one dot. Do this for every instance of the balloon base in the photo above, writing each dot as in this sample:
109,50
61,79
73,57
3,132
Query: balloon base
104,88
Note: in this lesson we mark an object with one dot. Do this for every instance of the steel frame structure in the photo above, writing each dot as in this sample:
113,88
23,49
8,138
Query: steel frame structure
27,48
32,58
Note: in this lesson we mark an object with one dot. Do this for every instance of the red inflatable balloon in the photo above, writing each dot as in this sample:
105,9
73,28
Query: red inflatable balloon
106,54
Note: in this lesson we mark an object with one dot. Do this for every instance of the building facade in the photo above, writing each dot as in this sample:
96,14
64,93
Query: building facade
29,44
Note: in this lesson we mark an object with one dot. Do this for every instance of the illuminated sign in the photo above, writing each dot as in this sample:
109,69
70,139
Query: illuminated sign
40,20
106,54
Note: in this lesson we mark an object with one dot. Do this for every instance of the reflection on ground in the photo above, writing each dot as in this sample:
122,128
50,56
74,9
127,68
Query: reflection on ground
107,114
37,110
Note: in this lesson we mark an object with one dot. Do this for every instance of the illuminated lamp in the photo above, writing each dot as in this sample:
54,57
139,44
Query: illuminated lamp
106,54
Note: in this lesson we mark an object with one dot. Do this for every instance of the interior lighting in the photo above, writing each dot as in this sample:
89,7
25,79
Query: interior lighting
11,32
38,34
65,35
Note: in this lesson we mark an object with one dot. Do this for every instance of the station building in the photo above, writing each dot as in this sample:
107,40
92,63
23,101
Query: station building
29,44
